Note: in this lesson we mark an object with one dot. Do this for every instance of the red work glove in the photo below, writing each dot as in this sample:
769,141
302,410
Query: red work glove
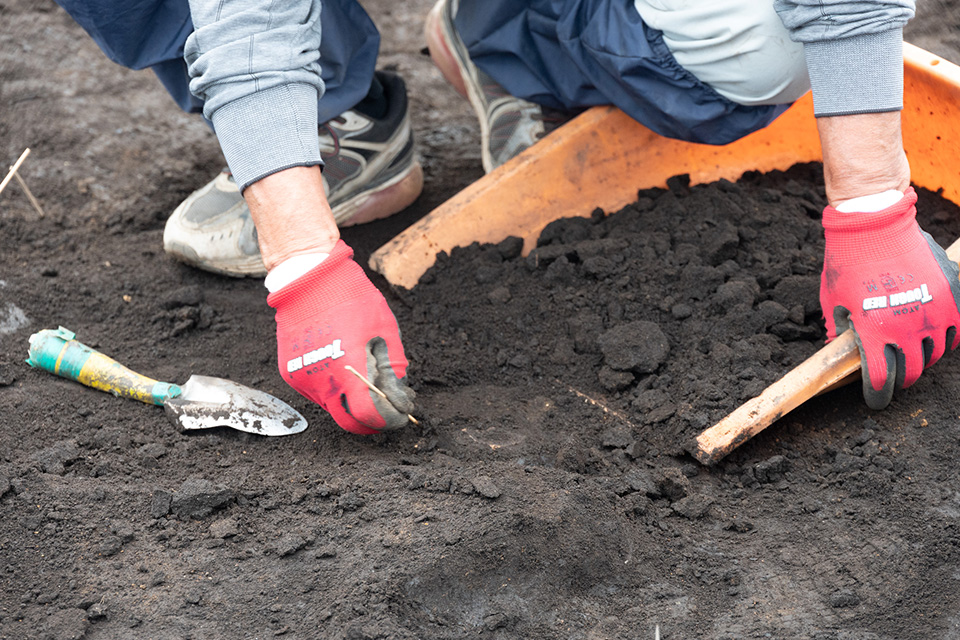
895,286
334,316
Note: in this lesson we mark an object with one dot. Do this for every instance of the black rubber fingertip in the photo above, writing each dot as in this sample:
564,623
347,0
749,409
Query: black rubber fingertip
878,400
377,347
841,319
951,336
894,354
927,351
896,372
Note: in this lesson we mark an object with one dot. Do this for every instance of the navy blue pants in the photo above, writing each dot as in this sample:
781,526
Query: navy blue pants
566,54
582,53
151,33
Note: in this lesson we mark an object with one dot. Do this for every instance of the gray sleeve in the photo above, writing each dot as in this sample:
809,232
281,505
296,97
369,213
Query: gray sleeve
854,51
256,66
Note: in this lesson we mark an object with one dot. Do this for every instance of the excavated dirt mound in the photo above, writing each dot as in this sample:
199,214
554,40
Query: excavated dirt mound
546,493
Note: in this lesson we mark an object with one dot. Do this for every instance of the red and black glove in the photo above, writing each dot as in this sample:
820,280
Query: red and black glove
891,282
332,317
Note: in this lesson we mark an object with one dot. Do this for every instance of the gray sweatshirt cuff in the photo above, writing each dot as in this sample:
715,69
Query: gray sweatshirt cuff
269,131
861,74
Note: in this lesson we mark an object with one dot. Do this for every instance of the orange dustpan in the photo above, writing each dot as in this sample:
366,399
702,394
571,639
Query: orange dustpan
603,157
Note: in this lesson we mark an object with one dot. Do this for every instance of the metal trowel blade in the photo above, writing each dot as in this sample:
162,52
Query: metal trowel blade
208,402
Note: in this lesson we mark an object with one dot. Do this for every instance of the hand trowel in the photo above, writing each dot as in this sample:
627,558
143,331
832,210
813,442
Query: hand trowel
201,403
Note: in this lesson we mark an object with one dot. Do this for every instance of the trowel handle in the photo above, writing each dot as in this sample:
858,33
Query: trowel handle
56,351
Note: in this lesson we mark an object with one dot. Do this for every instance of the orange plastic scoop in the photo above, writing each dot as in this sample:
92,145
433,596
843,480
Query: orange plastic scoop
603,157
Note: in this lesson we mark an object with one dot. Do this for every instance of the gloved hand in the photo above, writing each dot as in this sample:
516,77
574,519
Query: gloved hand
334,316
895,286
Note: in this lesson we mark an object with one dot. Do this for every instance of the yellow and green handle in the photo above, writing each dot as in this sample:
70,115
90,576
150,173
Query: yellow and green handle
59,353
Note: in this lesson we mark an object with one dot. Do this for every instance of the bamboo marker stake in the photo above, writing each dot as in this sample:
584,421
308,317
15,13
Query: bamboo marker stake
26,190
13,169
13,174
376,390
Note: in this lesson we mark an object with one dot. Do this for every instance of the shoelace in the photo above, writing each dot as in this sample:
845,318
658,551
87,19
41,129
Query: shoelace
333,134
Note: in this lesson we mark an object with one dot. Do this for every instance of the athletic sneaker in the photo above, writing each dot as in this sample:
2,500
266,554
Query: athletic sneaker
508,125
371,171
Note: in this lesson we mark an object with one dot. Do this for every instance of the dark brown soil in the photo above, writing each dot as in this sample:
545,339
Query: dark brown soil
547,492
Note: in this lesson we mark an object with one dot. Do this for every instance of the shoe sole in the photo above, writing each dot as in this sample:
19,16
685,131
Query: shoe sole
391,197
440,52
394,183
234,269
439,34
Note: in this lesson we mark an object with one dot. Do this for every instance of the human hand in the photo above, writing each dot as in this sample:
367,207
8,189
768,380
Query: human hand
334,317
893,284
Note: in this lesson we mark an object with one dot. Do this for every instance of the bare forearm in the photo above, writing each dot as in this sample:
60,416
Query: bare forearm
291,213
862,155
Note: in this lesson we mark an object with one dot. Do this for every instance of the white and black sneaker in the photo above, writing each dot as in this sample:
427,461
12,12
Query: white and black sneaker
371,171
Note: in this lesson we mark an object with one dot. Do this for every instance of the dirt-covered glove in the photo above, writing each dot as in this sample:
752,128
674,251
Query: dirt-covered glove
333,317
891,282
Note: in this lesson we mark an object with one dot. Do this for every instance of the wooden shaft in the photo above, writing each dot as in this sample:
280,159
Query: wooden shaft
823,369
13,169
30,197
832,366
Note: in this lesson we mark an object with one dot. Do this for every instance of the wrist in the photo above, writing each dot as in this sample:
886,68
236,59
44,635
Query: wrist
871,203
282,250
292,269
336,280
856,238
862,155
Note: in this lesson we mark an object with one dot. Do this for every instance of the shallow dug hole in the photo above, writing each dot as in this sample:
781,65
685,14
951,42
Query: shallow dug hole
547,492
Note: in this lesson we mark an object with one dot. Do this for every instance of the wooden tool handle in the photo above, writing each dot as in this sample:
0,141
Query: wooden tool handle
56,351
822,370
830,367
